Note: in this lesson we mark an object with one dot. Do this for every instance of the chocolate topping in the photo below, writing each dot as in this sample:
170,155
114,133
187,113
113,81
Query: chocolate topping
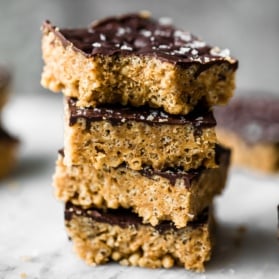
199,118
222,156
255,118
125,217
138,34
4,77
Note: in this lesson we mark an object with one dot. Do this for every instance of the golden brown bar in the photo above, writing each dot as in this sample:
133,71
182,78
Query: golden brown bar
154,195
135,60
119,235
110,136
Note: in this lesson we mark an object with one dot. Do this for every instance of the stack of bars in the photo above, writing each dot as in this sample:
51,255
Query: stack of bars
141,164
8,143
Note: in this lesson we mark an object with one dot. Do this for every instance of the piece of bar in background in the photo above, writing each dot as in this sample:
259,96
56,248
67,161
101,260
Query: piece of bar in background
249,125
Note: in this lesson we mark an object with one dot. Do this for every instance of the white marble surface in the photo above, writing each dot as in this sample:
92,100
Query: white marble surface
33,243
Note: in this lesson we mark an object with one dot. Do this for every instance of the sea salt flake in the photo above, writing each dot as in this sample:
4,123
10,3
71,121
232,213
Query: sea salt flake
216,51
163,47
182,35
162,114
150,117
197,44
120,31
194,52
125,47
184,49
102,37
162,33
146,33
197,59
96,44
206,59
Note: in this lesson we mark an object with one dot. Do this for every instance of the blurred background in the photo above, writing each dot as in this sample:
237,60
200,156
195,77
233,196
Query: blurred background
249,28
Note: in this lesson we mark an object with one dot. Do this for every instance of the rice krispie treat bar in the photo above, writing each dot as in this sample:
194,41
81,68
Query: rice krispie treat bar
119,235
249,125
5,79
8,152
136,60
155,196
109,136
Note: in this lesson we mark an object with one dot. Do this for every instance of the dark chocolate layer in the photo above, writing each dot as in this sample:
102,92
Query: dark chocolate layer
138,34
222,157
124,217
199,118
254,117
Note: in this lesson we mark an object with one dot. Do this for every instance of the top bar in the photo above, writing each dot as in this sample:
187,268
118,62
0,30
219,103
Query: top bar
134,59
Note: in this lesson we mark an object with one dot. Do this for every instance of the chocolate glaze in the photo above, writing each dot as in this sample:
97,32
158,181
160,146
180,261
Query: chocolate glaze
253,116
222,156
199,118
138,34
125,217
4,77
173,175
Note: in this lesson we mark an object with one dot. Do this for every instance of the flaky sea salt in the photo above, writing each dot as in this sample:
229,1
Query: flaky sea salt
125,47
102,37
96,44
120,31
182,35
197,44
146,33
216,51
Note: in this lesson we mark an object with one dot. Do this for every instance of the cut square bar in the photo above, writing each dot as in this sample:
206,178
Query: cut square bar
110,136
155,196
119,235
135,60
249,125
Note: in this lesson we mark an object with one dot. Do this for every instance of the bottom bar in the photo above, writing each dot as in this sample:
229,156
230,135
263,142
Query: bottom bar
119,235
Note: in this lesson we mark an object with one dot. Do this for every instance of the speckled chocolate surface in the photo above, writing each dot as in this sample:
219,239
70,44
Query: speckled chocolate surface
125,217
199,118
254,116
138,34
